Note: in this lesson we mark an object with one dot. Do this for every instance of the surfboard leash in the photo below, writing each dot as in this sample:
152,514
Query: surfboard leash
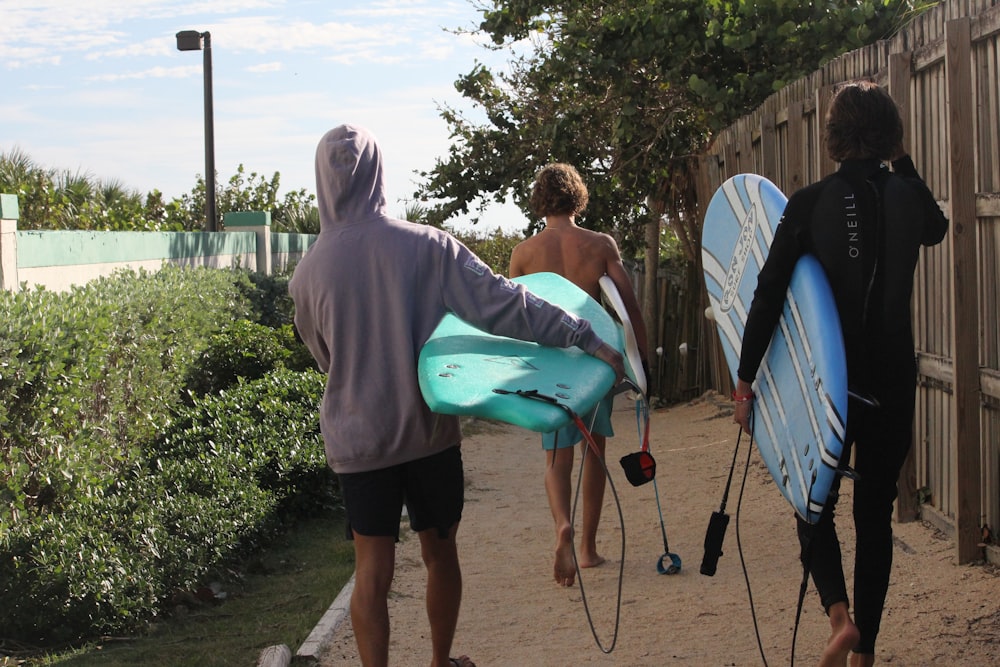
592,447
535,395
739,543
716,532
645,471
804,584
717,523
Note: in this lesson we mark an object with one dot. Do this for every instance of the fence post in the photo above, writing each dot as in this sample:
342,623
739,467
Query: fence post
9,214
260,224
965,294
900,72
825,165
795,160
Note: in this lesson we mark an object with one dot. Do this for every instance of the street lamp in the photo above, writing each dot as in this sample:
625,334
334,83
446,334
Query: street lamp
192,40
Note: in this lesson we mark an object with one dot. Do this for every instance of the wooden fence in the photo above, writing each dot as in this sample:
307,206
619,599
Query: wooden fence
943,69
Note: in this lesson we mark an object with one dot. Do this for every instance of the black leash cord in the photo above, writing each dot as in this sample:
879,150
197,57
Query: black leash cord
591,446
806,561
739,544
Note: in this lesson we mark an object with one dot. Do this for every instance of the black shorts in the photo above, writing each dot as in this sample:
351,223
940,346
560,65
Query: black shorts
433,489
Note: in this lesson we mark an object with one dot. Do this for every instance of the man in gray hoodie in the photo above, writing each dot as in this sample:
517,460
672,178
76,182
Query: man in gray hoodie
367,296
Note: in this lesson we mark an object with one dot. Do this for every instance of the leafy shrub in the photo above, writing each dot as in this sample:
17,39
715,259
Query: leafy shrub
268,296
114,494
207,491
242,349
88,374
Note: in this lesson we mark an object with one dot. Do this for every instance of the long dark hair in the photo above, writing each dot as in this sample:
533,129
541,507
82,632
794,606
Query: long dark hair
863,122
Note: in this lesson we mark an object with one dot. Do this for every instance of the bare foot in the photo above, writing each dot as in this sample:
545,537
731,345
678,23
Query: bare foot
590,560
461,661
838,647
564,570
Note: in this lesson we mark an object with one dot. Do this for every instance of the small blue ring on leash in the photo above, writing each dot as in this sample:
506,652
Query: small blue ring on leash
673,568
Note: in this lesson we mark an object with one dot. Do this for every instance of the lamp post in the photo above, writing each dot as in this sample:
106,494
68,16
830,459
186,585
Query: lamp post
192,40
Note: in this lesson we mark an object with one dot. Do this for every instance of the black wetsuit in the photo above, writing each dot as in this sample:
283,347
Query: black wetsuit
866,226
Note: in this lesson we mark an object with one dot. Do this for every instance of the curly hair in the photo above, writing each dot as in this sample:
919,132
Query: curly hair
558,189
863,122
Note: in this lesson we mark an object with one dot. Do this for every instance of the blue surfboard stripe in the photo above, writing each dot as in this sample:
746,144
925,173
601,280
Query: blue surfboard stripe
801,428
831,414
763,236
744,204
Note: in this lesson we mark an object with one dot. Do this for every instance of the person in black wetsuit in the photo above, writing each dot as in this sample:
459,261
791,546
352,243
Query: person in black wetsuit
865,224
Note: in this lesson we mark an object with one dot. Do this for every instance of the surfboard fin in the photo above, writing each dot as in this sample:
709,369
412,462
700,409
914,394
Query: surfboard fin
848,472
866,399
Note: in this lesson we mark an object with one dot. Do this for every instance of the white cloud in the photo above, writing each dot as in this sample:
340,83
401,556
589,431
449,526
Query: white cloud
180,72
265,67
99,83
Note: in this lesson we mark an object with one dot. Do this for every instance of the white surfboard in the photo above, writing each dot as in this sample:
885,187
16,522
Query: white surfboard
613,300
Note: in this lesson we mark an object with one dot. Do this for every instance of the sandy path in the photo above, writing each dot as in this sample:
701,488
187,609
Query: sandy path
938,613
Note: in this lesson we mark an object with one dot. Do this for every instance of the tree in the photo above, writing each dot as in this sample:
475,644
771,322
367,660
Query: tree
63,199
295,212
629,92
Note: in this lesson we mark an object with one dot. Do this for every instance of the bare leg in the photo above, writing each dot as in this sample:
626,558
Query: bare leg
594,481
844,637
444,592
558,487
862,659
375,560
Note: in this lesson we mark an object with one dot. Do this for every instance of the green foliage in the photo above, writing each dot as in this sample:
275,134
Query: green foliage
493,248
295,212
629,92
274,597
263,432
269,297
113,493
87,374
59,199
54,199
201,495
245,350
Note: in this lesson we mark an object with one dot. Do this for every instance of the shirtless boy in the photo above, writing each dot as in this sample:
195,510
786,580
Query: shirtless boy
582,257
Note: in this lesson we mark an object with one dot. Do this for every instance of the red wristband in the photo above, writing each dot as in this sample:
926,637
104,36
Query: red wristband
742,398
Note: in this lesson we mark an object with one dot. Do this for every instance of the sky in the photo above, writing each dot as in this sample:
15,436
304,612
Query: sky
99,87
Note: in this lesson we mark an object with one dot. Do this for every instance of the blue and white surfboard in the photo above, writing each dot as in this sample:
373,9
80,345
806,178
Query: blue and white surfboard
801,387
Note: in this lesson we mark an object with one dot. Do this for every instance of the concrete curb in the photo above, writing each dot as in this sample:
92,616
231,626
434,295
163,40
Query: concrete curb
318,639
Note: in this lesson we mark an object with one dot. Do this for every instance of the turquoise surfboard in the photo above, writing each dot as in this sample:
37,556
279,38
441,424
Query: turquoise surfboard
461,368
800,410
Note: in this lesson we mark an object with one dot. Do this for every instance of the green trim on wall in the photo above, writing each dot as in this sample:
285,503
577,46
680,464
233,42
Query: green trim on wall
69,248
247,219
291,243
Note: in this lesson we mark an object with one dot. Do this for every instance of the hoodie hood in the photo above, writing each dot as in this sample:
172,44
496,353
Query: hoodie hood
349,181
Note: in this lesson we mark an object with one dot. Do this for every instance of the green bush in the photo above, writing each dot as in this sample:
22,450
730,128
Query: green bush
87,375
268,296
243,349
114,492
